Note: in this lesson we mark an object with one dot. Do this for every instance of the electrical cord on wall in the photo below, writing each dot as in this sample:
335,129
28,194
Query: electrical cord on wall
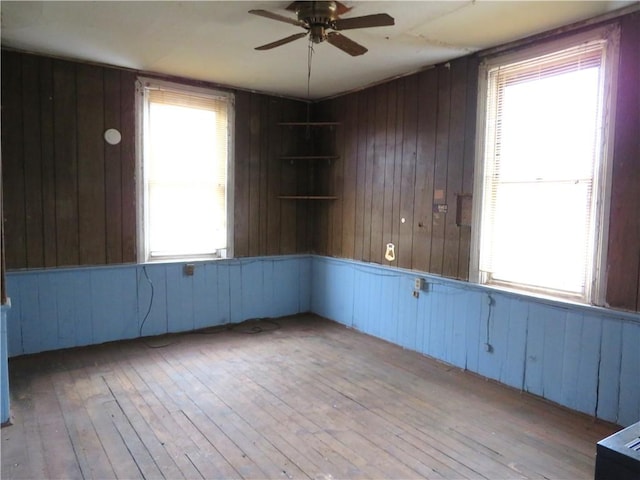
487,346
146,316
252,326
146,275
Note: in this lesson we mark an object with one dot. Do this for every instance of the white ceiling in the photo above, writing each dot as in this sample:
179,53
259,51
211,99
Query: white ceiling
215,40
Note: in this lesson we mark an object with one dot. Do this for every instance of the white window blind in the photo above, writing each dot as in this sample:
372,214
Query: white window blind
186,151
542,150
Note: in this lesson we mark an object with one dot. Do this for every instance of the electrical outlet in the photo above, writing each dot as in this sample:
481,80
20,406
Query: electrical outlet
418,283
189,269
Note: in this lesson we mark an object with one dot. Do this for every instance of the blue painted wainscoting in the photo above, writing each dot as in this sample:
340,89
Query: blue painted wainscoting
585,358
60,308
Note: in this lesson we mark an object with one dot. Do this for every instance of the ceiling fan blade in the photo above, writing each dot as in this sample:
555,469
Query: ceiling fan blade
275,16
282,41
345,44
366,21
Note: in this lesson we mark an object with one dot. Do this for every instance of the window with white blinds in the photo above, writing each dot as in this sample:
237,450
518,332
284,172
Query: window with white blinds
543,169
185,160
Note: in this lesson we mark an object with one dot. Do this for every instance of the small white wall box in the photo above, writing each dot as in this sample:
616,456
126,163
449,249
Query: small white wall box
418,283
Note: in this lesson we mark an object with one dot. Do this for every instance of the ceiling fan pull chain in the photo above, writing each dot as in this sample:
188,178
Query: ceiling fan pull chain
309,60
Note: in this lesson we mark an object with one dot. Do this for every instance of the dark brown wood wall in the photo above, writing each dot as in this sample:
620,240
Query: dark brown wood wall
623,266
405,145
264,224
409,144
70,198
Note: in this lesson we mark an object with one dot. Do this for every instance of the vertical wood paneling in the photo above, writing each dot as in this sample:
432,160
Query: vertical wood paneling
115,301
609,371
13,162
77,203
408,173
32,161
440,172
254,175
361,174
48,163
349,161
267,128
425,161
91,168
378,173
629,402
389,166
128,161
397,170
288,182
397,143
336,180
446,97
369,164
623,285
241,175
584,360
445,100
273,171
112,169
468,161
66,161
455,159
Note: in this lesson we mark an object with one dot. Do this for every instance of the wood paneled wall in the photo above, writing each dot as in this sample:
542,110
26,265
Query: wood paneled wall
623,266
405,146
408,145
70,198
264,224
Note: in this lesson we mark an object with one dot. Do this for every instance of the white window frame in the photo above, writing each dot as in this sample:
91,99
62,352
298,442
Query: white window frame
141,192
596,291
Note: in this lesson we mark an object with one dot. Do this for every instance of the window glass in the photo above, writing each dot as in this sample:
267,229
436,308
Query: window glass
185,163
543,170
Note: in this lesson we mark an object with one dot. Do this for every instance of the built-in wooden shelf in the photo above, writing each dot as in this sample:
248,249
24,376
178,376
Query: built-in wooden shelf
309,124
307,197
311,164
310,157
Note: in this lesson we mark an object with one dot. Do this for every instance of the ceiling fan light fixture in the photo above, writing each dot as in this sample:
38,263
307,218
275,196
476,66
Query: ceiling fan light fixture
318,17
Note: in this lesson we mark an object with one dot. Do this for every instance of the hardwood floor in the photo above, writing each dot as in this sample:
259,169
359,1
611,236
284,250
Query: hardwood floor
300,398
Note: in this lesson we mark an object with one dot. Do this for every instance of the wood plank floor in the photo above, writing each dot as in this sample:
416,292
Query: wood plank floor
300,398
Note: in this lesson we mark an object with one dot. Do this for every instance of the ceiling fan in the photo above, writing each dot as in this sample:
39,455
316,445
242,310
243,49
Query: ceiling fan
319,17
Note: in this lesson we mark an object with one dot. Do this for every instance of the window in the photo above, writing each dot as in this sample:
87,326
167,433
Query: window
184,170
542,170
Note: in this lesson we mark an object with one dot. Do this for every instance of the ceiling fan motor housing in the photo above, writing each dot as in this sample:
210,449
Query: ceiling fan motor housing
319,16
